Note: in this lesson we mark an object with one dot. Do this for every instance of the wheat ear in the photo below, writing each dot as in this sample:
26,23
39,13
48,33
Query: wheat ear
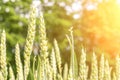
107,71
101,68
3,64
29,43
94,68
117,67
11,74
19,67
83,66
1,76
58,56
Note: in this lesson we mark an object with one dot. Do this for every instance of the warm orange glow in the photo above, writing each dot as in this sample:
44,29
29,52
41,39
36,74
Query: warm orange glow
102,26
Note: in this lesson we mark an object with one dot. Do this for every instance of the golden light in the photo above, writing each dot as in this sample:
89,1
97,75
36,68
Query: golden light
102,27
118,1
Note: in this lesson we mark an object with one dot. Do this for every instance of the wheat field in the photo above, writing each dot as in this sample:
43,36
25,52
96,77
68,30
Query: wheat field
48,65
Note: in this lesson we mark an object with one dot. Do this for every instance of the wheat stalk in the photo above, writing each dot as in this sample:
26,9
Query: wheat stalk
65,73
114,76
73,59
70,74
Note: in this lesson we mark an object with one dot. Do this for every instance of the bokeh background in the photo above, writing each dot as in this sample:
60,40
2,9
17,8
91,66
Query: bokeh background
96,25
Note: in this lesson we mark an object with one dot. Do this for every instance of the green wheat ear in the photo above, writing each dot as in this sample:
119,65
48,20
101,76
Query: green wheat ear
19,67
58,56
107,71
101,68
43,48
50,72
53,64
42,37
94,68
11,74
29,43
82,66
3,63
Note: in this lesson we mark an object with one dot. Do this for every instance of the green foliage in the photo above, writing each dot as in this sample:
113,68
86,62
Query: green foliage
12,19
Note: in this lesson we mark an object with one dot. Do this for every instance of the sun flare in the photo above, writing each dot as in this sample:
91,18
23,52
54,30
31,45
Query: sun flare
118,1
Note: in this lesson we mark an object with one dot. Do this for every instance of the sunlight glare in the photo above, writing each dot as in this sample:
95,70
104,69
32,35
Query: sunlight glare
118,1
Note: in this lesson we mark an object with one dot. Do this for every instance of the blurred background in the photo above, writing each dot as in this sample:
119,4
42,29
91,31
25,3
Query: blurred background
96,25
